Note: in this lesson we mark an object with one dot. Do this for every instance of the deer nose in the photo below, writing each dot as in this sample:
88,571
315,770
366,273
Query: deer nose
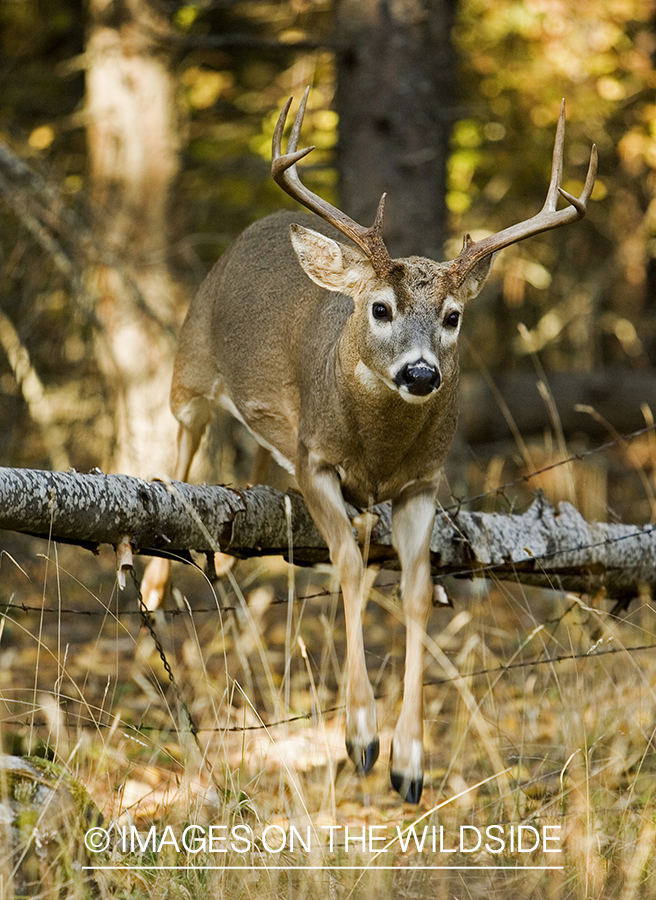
420,377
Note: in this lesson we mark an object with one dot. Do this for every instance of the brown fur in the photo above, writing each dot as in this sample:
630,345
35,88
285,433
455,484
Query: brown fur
281,332
344,363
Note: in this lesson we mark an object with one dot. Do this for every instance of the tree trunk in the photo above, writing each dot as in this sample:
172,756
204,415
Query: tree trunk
395,99
552,548
132,136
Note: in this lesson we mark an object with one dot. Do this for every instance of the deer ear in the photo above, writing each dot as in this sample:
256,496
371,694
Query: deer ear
476,278
328,263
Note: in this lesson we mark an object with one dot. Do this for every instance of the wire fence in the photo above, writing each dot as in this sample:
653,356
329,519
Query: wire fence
481,571
501,489
10,608
328,711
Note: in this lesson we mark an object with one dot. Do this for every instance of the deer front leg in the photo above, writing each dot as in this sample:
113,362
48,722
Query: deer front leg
412,525
323,495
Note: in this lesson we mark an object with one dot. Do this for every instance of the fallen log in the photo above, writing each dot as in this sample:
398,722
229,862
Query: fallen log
544,546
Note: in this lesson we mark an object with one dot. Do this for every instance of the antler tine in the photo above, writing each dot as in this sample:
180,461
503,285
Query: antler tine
283,170
551,202
295,133
581,202
549,216
284,164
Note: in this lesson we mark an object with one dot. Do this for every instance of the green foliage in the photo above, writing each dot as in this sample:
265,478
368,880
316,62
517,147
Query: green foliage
519,59
585,294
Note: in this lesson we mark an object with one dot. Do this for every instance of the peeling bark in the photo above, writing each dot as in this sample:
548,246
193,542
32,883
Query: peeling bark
544,546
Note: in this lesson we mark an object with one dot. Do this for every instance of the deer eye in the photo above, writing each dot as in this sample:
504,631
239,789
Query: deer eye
452,320
381,311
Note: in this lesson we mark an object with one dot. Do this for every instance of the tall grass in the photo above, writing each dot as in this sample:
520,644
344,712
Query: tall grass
540,712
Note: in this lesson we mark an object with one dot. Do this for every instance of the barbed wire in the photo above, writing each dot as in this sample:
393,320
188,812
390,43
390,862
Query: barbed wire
472,572
454,507
480,571
435,682
574,457
173,613
518,565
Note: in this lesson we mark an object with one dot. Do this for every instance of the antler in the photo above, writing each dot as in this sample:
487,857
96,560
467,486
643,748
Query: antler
548,217
283,169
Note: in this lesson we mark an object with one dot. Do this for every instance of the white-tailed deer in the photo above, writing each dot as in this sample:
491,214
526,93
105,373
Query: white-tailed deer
343,362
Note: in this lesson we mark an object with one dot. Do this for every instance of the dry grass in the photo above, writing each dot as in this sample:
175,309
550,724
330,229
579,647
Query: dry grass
538,713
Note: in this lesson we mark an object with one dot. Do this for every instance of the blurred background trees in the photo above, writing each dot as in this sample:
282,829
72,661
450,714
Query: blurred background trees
133,162
134,146
395,95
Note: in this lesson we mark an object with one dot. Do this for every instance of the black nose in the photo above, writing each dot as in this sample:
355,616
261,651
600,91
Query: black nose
420,378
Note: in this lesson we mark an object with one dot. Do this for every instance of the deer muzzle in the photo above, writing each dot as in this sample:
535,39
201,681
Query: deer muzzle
419,378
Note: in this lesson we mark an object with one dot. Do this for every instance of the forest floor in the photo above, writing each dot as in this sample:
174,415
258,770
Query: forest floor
540,714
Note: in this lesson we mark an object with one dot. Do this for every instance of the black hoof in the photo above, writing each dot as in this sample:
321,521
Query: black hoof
364,761
409,789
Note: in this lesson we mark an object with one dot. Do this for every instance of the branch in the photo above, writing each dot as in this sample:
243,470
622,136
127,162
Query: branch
543,546
64,234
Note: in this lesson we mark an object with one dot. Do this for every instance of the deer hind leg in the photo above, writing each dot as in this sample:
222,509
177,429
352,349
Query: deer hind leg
158,571
260,467
322,492
413,518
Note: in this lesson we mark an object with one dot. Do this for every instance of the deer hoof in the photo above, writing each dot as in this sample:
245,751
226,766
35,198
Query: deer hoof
364,758
409,788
